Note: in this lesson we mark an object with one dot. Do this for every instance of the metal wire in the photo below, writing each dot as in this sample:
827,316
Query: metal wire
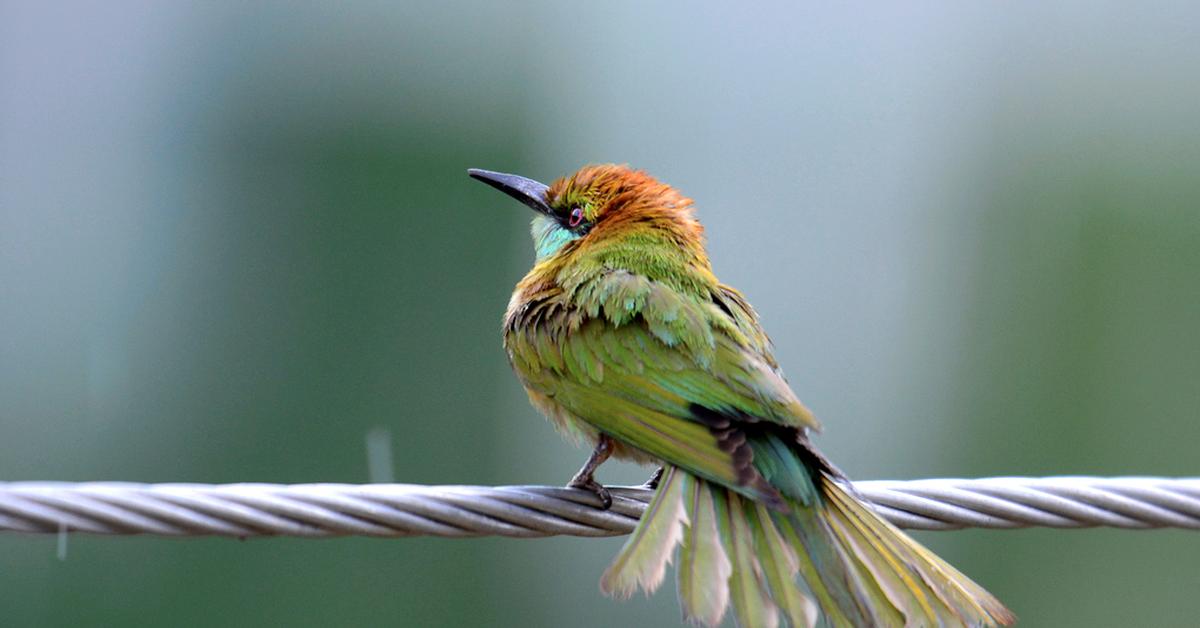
388,510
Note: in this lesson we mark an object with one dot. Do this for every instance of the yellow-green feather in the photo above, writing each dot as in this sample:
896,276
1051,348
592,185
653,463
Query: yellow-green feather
642,562
780,567
704,568
751,599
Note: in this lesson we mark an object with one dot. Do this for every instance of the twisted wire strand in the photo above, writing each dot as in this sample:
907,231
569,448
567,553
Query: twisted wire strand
390,510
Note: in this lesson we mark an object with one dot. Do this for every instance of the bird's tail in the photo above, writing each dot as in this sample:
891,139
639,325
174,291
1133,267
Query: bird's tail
831,563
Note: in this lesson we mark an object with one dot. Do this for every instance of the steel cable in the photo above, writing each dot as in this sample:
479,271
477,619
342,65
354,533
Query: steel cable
388,510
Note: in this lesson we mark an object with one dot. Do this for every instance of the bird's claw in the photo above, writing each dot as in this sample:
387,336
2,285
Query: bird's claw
592,486
652,483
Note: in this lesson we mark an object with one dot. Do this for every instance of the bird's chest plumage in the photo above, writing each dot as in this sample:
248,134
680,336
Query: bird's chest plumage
553,359
535,323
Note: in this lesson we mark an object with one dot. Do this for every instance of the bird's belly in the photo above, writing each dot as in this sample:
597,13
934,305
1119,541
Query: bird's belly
580,431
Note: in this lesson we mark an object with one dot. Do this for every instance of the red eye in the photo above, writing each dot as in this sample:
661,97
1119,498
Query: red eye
576,217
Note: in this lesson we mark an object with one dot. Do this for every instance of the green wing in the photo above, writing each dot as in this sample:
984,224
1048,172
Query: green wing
665,372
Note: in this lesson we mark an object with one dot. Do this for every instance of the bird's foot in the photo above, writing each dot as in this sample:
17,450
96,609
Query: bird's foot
584,479
589,484
652,483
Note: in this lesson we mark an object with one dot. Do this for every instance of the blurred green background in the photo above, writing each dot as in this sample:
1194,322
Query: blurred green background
235,238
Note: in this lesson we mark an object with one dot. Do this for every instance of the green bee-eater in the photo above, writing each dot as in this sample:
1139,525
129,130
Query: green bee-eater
625,339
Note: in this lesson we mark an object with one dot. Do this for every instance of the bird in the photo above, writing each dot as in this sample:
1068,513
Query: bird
627,342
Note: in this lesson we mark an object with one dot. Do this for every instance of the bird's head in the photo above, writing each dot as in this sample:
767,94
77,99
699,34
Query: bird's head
600,206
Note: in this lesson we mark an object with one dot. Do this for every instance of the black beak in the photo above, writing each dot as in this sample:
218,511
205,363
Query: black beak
525,190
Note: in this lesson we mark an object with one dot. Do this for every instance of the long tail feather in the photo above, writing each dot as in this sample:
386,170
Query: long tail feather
643,560
844,598
752,604
967,599
780,566
704,567
833,562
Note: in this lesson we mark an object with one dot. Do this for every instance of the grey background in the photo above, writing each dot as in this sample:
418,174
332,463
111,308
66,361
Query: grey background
234,240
